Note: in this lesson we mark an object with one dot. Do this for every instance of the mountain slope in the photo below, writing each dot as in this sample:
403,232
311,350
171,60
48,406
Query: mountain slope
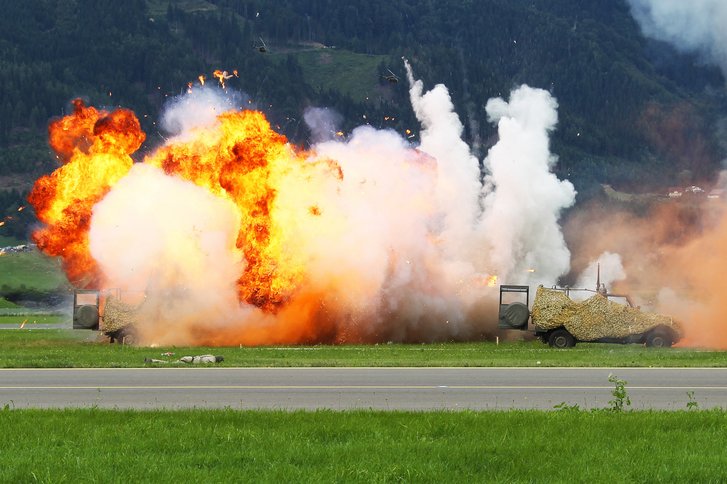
632,112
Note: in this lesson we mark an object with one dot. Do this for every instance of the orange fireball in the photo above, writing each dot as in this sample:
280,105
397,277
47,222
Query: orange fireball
95,148
241,160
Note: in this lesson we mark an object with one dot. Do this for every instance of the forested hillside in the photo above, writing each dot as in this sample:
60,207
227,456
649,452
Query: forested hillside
633,112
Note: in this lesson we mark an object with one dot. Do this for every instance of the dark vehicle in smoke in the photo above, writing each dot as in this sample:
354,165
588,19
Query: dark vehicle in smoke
106,312
561,322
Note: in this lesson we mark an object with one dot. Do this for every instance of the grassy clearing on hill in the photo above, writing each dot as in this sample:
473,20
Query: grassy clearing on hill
39,348
5,304
32,270
360,446
340,70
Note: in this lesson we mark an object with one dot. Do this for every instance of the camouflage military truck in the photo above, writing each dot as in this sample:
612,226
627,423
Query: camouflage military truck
106,312
562,322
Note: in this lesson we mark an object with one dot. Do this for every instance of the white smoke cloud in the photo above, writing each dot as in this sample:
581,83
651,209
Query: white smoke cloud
198,107
396,248
173,241
458,175
611,270
692,26
522,198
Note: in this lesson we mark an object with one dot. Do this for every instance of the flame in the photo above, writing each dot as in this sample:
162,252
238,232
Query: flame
243,160
491,281
94,147
201,79
220,77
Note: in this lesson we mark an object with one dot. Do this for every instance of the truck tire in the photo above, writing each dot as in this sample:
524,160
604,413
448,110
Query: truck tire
516,315
660,337
86,317
561,338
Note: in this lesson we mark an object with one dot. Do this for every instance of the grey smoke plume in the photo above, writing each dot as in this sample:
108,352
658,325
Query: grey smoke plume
323,123
698,26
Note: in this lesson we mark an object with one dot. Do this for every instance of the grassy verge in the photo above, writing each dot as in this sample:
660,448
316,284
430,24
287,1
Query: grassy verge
31,319
359,446
39,348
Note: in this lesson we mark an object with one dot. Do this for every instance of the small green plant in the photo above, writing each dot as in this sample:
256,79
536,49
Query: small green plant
621,397
692,403
567,408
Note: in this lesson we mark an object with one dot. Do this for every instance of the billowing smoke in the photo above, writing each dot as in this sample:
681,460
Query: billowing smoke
692,26
322,122
172,242
199,107
363,237
608,267
523,199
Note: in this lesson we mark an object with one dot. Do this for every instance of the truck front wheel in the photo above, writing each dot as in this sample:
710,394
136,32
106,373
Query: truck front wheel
561,338
659,338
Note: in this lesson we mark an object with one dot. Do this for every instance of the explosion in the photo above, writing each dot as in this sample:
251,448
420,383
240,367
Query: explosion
95,148
235,236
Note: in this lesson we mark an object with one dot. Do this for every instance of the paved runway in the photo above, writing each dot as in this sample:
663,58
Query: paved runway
348,388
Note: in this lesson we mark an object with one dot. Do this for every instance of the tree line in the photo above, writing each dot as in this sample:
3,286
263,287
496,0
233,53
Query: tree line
621,97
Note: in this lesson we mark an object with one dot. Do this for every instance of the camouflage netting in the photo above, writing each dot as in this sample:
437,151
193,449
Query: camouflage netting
118,314
594,318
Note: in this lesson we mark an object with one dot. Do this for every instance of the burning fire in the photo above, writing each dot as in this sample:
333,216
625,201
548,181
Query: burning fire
95,148
242,160
238,237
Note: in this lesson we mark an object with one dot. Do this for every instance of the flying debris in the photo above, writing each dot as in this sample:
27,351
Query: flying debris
222,76
261,47
391,77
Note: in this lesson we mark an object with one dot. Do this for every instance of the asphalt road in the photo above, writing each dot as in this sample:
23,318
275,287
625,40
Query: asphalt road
364,388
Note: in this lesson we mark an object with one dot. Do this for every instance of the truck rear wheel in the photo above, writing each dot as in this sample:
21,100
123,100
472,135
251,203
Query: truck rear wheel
561,338
659,338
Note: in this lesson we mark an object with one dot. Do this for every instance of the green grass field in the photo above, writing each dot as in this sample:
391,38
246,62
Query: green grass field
32,319
93,445
32,270
5,304
9,241
348,72
41,348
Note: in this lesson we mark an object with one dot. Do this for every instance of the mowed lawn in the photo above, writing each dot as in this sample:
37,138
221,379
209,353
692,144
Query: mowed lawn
93,445
46,348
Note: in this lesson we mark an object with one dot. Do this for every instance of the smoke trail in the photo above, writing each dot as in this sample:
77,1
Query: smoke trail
692,26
